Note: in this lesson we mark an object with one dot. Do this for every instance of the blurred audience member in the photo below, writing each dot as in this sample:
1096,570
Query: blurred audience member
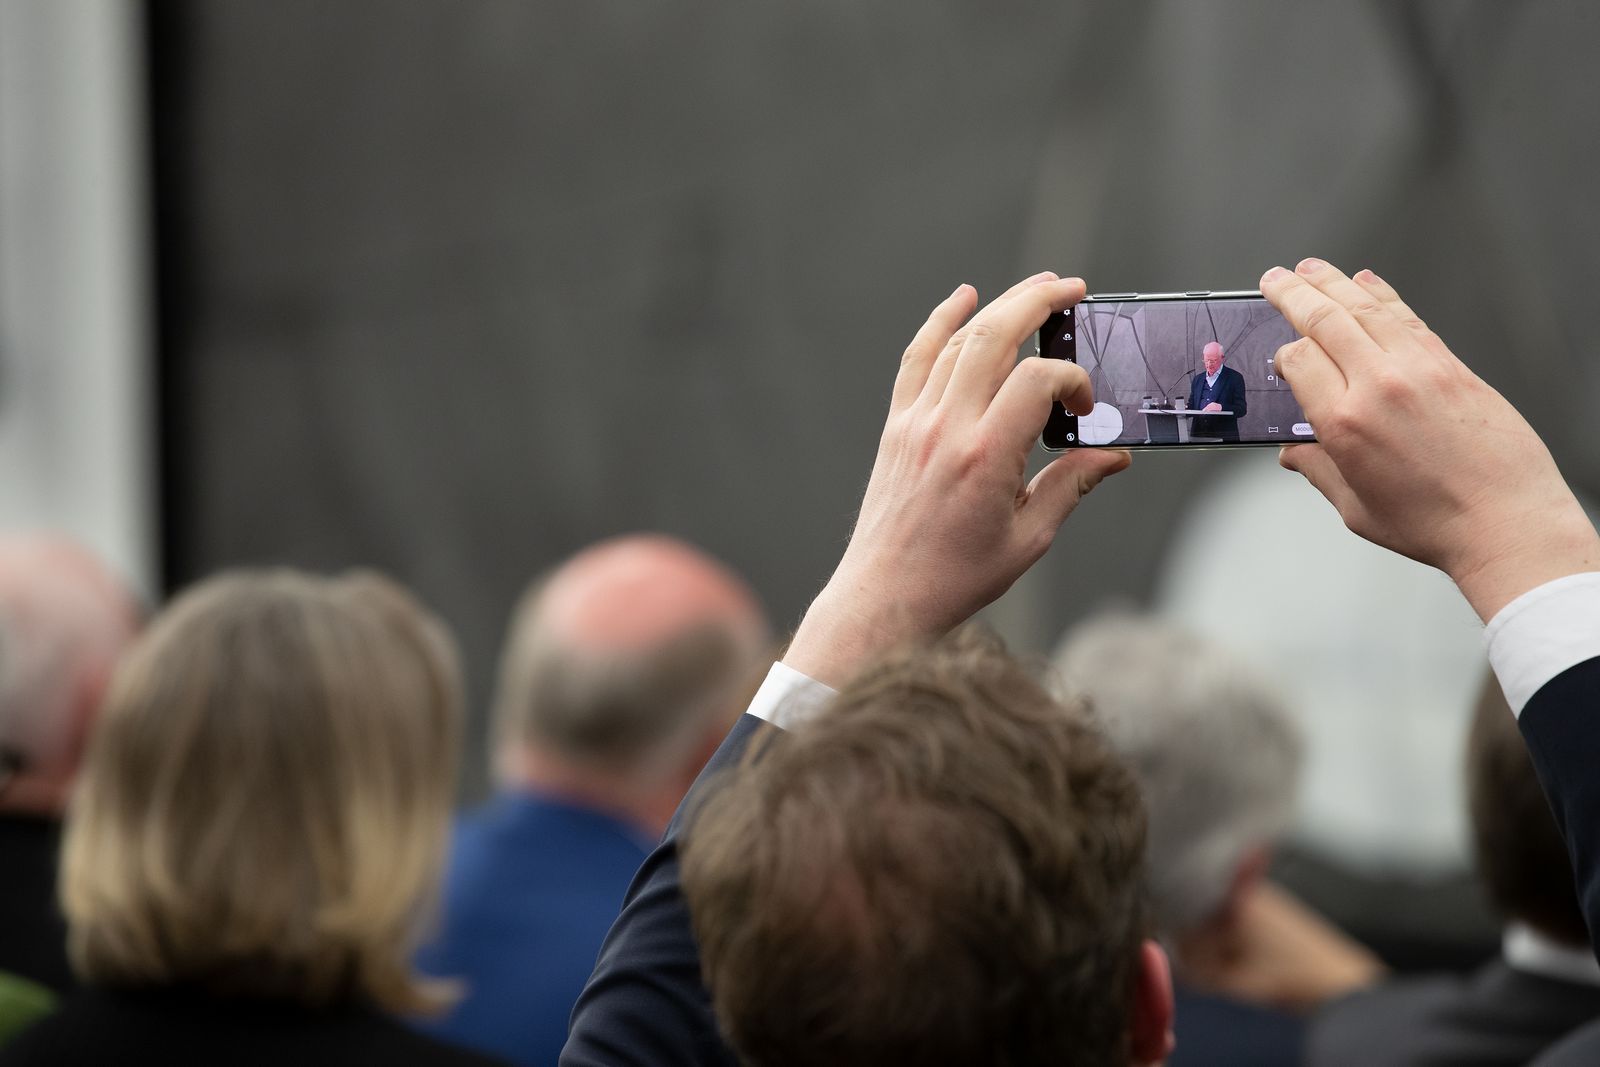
258,832
1545,983
621,675
1218,759
64,620
943,867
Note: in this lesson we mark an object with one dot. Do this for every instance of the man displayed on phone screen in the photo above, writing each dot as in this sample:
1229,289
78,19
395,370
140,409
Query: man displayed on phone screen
1219,389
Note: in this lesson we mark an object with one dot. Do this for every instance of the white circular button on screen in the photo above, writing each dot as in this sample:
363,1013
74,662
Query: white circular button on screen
1101,426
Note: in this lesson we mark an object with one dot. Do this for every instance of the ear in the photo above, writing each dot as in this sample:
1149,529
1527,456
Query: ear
1247,877
1150,1028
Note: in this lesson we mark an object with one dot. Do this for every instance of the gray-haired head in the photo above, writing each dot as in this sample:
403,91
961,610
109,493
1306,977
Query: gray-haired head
1212,745
626,656
64,620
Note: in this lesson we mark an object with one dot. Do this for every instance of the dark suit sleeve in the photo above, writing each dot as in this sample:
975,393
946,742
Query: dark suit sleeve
1195,385
645,1004
1235,401
1561,725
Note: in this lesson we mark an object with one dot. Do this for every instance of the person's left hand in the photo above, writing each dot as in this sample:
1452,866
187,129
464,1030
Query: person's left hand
1284,954
949,520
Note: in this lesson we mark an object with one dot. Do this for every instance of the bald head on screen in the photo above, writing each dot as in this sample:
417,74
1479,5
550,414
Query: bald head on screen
623,670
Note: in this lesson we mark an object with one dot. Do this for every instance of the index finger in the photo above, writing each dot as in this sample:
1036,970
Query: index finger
1323,319
990,350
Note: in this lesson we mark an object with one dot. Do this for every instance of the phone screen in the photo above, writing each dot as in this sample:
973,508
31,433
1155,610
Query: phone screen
1175,371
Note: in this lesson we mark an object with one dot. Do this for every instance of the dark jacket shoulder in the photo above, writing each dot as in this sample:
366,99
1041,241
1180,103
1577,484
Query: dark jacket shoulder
646,1005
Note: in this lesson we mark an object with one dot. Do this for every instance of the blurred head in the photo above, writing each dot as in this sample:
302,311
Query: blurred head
1521,857
625,666
943,868
1212,356
64,620
1212,745
264,806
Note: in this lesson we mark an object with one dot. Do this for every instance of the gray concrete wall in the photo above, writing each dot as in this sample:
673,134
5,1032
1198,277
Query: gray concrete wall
454,288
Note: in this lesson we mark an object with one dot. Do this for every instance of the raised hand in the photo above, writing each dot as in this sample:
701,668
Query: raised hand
1416,452
949,521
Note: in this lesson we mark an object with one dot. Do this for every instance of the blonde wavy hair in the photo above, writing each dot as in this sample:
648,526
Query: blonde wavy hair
264,805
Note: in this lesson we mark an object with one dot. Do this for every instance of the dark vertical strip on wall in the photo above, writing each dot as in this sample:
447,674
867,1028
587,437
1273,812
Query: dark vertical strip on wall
168,72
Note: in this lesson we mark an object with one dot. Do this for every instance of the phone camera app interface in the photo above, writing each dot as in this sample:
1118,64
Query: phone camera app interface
1175,372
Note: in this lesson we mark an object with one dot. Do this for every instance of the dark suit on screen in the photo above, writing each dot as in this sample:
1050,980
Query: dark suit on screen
1229,392
645,1005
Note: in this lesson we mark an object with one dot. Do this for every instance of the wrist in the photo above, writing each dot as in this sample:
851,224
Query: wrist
1529,548
846,627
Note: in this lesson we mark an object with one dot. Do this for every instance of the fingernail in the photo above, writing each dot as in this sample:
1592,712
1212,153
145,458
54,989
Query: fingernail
1273,275
1044,276
956,291
1368,275
1310,266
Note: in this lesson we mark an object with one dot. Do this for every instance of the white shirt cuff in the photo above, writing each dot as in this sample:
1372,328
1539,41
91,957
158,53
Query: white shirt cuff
1542,633
788,698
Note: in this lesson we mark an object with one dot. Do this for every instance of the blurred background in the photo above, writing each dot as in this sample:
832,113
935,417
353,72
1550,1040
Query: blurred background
455,287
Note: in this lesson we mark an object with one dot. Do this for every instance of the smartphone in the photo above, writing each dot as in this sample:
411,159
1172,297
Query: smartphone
1175,370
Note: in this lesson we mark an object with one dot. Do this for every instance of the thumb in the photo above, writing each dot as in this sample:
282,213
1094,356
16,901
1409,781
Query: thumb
1314,464
1056,490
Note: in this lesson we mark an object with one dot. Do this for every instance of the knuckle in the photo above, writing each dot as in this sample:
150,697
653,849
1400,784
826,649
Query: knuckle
1336,425
982,332
925,440
1039,541
1036,370
1291,356
1318,316
1423,334
973,457
1392,387
1368,309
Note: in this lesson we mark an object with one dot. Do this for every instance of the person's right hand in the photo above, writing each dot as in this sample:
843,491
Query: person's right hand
1416,452
949,519
1213,406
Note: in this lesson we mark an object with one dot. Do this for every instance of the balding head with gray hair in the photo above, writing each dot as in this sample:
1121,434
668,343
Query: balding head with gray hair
1210,741
622,669
64,620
